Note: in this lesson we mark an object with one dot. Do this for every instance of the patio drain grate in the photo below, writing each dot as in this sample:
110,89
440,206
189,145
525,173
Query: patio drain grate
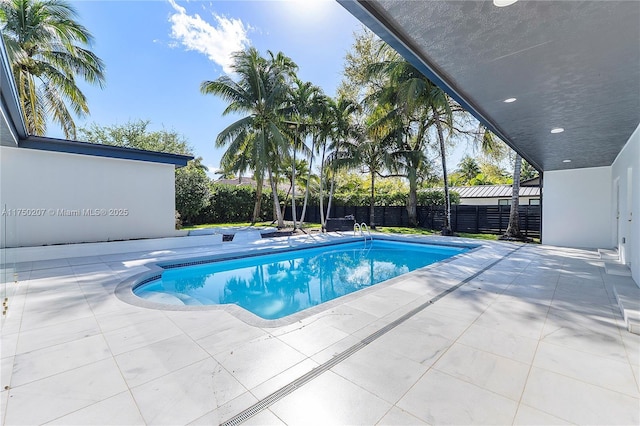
264,403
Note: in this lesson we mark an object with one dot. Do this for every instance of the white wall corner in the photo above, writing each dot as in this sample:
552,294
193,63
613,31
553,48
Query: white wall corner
625,175
577,208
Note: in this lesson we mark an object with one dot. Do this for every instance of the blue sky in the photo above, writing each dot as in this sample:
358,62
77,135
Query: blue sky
158,52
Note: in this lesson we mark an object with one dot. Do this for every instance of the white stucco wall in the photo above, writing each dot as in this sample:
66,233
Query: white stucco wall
82,198
524,201
625,174
576,208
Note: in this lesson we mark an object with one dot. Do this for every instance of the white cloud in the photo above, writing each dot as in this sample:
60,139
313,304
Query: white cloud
217,41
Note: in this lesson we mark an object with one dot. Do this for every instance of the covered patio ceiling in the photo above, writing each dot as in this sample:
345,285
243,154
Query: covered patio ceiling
570,64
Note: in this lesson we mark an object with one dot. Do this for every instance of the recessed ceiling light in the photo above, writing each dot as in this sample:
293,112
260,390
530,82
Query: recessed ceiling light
508,101
557,130
566,161
503,3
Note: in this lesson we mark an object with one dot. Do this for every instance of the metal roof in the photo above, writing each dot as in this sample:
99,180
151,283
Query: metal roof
494,191
570,64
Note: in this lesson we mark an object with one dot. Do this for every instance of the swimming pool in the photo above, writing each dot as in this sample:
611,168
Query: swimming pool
276,285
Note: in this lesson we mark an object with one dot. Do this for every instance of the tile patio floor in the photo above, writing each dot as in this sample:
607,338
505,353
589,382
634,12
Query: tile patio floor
534,339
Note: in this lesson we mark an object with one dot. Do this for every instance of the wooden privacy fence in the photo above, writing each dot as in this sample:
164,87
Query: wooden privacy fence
472,219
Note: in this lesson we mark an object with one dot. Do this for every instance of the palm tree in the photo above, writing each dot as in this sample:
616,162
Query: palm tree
490,146
238,158
292,175
317,113
324,127
413,104
342,135
468,169
528,172
301,98
45,48
440,105
373,152
513,229
260,92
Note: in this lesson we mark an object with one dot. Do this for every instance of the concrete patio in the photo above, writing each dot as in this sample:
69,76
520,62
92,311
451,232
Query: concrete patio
532,336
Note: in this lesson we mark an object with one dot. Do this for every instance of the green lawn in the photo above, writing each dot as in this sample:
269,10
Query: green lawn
383,229
268,223
220,225
423,231
404,230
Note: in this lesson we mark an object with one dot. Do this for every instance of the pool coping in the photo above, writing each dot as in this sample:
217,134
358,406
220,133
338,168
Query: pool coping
124,290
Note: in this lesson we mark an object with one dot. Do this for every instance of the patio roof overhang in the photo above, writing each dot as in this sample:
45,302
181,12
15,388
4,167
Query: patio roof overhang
570,64
12,126
97,150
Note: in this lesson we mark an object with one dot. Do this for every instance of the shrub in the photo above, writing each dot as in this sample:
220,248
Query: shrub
231,203
435,197
192,193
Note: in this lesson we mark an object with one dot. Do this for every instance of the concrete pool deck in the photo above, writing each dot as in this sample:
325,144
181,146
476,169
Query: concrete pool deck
536,338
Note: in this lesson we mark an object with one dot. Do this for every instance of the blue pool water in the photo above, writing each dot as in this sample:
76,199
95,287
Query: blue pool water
276,285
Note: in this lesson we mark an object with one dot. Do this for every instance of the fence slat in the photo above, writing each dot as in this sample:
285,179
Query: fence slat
465,218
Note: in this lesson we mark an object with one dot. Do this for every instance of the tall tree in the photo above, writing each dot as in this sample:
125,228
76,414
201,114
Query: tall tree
468,169
136,134
324,130
239,158
373,153
341,113
294,176
261,93
528,172
301,98
404,94
513,229
48,50
191,190
413,104
317,113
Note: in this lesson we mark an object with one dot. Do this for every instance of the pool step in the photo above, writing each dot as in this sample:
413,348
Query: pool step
626,292
628,299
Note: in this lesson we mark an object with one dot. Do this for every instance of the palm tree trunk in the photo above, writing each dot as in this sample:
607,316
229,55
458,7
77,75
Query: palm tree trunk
412,200
372,203
306,192
513,230
293,188
333,184
286,199
446,229
322,220
276,202
257,205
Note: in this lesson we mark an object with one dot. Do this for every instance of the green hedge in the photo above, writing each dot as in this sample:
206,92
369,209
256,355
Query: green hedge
435,197
426,197
229,203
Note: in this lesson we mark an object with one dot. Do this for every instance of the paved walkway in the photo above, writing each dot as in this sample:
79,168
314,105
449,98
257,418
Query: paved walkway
534,339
